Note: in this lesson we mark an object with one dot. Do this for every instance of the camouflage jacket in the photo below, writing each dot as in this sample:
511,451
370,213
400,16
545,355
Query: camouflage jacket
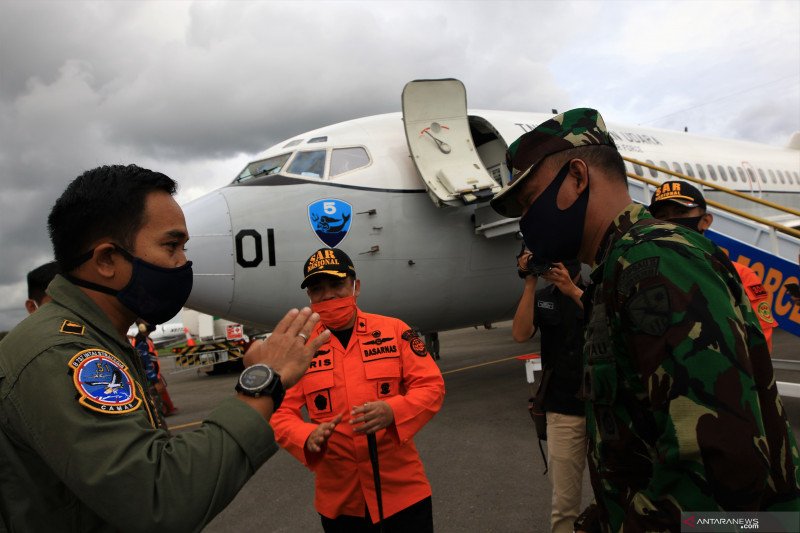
684,412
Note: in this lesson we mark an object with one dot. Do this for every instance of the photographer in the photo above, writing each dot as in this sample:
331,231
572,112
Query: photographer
557,312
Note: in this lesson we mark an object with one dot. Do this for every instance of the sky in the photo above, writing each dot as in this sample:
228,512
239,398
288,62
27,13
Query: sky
195,89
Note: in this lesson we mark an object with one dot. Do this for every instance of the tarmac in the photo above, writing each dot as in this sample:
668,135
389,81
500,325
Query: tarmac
480,451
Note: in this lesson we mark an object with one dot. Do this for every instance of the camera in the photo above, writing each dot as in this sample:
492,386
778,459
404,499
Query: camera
537,268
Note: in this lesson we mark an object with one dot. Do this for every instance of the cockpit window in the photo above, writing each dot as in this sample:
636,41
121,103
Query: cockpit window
310,164
293,143
264,167
347,159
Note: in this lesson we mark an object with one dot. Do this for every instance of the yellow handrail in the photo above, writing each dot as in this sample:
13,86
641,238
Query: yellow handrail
732,192
778,227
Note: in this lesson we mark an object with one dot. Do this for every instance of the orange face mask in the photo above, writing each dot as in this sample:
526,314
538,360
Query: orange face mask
335,314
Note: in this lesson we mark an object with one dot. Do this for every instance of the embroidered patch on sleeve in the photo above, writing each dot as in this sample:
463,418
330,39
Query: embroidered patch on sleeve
72,328
103,382
417,344
758,291
765,313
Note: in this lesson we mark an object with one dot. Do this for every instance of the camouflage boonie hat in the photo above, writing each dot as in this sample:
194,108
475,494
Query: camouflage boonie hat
572,129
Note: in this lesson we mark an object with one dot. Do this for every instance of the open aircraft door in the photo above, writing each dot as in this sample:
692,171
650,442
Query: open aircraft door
441,145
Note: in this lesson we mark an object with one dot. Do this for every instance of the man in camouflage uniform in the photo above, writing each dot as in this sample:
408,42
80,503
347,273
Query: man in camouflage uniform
684,413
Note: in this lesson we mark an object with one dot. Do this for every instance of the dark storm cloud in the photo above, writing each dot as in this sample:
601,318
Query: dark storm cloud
195,88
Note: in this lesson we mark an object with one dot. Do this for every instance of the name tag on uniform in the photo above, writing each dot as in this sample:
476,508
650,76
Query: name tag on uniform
322,360
377,348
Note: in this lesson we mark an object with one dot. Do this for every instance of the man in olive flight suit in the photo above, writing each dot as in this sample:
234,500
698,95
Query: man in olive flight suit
81,448
684,414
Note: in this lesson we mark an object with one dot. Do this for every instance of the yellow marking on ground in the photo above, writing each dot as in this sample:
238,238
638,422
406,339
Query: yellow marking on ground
479,365
192,424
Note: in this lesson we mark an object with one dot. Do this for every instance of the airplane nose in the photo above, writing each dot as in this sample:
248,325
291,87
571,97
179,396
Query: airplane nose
210,249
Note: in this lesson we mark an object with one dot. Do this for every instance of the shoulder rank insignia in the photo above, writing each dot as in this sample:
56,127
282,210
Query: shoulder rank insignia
72,328
417,344
103,382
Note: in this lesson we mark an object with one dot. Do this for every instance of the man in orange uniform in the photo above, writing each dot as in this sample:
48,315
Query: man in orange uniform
375,377
682,203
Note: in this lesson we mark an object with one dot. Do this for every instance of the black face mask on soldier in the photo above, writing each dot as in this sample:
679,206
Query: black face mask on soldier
154,294
688,222
550,233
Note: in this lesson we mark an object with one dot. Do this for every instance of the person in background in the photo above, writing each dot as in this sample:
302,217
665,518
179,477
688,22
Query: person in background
682,203
38,280
147,351
684,414
557,312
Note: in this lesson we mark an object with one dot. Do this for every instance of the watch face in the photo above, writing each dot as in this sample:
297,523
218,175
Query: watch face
255,377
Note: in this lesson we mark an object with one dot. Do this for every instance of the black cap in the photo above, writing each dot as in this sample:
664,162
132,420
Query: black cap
327,261
679,192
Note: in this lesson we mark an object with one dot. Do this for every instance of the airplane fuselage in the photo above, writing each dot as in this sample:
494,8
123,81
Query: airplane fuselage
420,261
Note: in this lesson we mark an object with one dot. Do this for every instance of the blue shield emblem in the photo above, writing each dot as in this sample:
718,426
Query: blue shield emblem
330,219
103,382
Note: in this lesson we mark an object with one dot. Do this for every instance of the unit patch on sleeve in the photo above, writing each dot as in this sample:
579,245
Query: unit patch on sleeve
417,344
758,291
765,313
103,382
72,328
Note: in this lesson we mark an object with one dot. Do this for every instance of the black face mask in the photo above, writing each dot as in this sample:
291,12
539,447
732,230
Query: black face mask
689,222
552,234
155,294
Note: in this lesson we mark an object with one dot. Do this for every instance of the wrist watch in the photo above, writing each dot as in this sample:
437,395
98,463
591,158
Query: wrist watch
260,380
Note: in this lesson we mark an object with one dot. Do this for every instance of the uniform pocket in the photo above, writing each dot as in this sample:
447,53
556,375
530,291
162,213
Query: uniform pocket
317,388
385,374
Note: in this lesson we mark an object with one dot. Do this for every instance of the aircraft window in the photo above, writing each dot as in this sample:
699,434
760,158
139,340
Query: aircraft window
763,176
752,175
772,176
653,172
664,164
780,177
677,167
347,159
293,143
700,173
711,173
637,169
264,167
310,164
797,179
722,173
732,173
742,177
689,171
318,140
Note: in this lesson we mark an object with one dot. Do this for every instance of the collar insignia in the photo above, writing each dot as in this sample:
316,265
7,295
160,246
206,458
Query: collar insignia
72,328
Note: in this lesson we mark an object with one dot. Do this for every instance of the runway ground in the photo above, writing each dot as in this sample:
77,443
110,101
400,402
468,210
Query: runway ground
480,452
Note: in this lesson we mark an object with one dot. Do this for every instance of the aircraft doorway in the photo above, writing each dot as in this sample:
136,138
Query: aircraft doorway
491,148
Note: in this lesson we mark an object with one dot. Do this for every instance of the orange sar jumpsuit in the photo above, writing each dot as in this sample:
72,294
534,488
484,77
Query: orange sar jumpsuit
384,360
759,299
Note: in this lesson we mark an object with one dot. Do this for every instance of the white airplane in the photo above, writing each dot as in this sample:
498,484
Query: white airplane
405,195
163,334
